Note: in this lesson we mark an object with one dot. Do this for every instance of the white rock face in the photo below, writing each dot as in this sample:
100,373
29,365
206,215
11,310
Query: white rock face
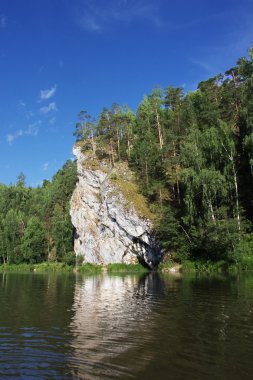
108,229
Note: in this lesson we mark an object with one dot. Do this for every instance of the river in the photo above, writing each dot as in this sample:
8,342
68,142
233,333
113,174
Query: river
61,326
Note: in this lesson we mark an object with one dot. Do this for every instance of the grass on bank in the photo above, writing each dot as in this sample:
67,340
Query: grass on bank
50,267
119,267
41,267
205,266
85,268
89,268
245,264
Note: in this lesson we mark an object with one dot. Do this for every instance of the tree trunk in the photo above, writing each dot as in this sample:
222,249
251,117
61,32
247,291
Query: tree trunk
237,196
93,143
128,140
212,211
146,172
118,143
112,152
159,130
178,187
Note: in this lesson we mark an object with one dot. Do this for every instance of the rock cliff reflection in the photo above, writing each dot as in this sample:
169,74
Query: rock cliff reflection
112,317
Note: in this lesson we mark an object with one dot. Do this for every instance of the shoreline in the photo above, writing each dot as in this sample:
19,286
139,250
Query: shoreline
169,267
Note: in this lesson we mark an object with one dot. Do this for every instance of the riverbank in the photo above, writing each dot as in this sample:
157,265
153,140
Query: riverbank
245,264
62,267
166,267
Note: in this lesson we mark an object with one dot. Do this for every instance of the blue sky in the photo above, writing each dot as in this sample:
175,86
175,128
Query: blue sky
60,56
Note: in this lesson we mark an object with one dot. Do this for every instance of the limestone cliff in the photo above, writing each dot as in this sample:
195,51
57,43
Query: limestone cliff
111,218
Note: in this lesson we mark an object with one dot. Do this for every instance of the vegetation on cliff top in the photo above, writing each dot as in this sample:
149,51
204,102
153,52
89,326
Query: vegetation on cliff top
133,196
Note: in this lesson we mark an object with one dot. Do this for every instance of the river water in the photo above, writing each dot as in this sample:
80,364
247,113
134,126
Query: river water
126,326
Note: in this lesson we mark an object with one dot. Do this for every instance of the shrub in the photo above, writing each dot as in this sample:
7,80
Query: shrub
119,267
69,258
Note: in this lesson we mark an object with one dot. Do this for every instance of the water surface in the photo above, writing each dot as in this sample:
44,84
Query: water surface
126,326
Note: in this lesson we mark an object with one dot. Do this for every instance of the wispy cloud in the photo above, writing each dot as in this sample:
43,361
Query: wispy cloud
3,22
5,166
46,109
47,94
212,60
22,107
52,120
88,21
45,166
203,65
31,130
10,138
95,17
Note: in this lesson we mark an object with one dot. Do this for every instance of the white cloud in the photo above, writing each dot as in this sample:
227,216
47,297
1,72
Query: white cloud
51,107
47,94
10,138
204,65
45,166
52,121
21,103
87,21
23,108
3,22
94,17
31,130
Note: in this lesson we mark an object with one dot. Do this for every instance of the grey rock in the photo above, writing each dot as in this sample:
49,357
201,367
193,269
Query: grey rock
108,228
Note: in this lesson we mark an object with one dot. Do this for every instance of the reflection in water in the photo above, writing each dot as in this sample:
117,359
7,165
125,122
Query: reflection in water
126,326
109,334
162,327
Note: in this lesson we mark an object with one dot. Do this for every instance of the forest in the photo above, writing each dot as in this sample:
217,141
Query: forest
35,224
192,155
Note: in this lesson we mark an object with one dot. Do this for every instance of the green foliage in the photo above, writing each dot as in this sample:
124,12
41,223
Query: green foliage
40,268
69,258
169,264
243,252
61,231
214,241
117,267
205,266
17,268
133,196
79,260
88,268
188,266
34,242
52,267
35,223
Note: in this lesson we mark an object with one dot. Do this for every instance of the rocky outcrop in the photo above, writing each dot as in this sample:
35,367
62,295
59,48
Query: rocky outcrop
109,215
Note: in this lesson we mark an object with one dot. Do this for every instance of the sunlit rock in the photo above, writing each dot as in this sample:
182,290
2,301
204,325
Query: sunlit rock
111,219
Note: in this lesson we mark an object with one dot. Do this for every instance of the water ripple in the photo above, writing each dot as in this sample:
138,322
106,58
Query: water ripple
126,327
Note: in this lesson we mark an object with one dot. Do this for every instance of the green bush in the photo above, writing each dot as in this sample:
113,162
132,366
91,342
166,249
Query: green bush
205,266
89,268
119,267
243,253
52,267
79,260
16,267
69,258
188,266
